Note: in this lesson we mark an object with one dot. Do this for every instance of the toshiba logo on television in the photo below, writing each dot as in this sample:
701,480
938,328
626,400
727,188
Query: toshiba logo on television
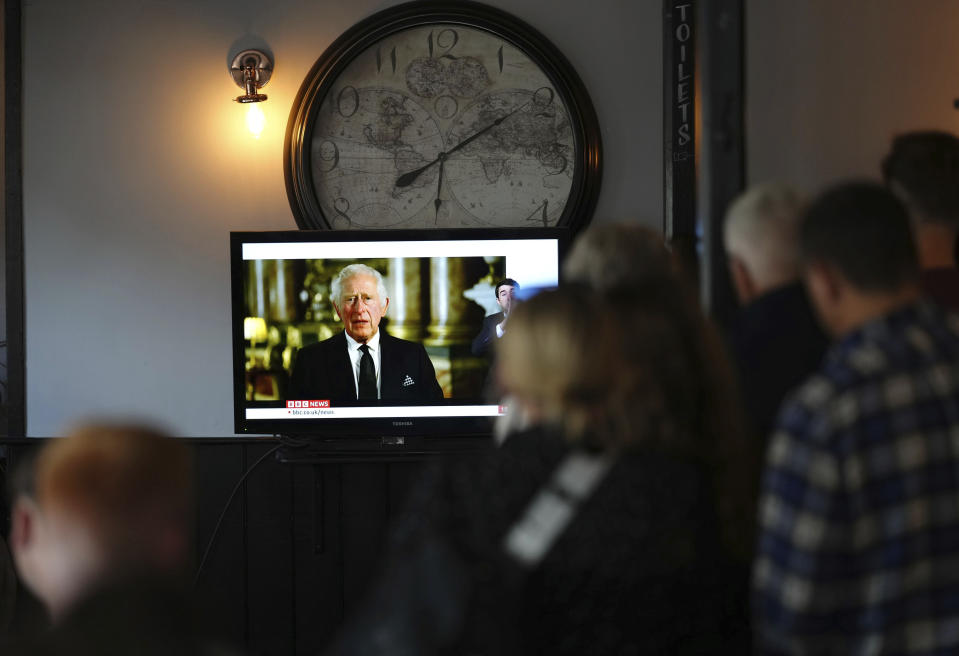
308,404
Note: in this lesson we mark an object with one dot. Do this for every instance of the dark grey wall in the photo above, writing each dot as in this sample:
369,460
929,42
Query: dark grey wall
137,166
829,83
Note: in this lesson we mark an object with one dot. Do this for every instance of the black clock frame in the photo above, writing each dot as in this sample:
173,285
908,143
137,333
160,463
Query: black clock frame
587,173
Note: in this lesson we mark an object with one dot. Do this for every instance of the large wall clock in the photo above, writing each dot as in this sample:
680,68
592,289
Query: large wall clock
442,114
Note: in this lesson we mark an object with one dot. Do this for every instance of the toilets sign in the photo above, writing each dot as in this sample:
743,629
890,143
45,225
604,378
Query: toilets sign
683,80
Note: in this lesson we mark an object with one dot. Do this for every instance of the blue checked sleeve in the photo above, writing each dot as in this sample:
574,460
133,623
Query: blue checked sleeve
802,557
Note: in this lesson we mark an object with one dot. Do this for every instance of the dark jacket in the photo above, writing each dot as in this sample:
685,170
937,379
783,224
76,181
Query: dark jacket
776,343
146,617
942,286
483,343
323,371
638,571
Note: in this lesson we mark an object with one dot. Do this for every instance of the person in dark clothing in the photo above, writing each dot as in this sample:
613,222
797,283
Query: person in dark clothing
638,565
109,502
775,340
922,169
494,326
326,370
146,617
858,517
100,533
363,363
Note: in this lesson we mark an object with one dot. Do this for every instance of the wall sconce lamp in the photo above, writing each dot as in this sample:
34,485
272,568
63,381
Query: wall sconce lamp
251,70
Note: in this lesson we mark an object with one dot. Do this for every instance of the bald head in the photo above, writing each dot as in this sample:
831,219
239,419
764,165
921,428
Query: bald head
761,236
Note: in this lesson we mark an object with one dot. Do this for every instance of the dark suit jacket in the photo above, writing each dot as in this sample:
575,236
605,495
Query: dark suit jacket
483,343
776,343
942,286
324,371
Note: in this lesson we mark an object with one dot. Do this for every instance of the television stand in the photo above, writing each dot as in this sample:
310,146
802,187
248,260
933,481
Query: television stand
299,450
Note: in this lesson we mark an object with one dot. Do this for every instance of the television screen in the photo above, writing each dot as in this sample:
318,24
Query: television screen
341,334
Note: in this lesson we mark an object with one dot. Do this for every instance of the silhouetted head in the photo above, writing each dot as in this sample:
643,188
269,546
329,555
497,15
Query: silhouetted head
108,502
858,254
612,255
922,168
761,236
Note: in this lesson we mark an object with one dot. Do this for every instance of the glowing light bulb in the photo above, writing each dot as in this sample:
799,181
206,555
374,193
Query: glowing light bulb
255,120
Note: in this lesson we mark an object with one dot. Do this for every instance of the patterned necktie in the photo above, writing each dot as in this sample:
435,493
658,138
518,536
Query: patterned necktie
367,386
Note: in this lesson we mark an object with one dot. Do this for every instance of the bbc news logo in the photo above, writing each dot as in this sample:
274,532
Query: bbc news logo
308,404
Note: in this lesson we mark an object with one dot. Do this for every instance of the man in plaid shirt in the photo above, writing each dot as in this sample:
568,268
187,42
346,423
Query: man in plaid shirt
859,515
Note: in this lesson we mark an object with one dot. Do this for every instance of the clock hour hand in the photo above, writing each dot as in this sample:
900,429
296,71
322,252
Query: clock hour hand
439,187
409,177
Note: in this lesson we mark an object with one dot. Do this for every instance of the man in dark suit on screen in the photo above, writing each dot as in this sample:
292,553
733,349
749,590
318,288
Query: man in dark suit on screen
494,326
363,363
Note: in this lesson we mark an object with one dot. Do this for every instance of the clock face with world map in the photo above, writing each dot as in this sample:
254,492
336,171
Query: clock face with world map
442,115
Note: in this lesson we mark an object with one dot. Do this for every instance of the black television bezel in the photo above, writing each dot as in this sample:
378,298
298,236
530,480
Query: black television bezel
393,431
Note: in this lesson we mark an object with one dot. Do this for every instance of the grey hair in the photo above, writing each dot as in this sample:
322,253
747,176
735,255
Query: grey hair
762,229
614,255
350,270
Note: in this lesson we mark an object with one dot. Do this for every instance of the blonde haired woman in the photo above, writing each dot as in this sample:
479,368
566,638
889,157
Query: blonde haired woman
599,529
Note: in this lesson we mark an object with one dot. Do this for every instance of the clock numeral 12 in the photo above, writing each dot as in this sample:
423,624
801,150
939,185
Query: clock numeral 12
446,39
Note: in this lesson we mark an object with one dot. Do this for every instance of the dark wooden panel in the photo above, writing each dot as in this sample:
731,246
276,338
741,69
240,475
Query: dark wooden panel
223,582
297,548
14,401
14,457
722,162
363,526
679,130
401,478
270,560
318,555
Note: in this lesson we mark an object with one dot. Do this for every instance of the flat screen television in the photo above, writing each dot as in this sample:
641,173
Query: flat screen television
439,287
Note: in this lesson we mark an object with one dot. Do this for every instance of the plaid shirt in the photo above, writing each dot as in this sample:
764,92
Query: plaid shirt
859,516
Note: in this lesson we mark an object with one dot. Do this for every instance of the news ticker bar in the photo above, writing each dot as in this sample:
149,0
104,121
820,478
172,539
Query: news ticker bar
372,412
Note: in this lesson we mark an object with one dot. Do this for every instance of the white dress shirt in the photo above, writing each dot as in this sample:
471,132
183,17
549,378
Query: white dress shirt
353,348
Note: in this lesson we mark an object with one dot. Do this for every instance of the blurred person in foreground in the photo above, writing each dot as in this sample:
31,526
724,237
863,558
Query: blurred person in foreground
23,614
775,340
922,169
606,256
630,256
620,255
102,538
858,518
624,451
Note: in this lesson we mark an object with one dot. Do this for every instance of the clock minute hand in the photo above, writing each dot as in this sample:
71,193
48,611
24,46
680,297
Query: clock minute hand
466,142
409,177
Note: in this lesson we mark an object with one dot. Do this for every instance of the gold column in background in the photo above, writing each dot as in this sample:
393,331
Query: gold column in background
283,303
272,290
405,312
447,304
258,288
